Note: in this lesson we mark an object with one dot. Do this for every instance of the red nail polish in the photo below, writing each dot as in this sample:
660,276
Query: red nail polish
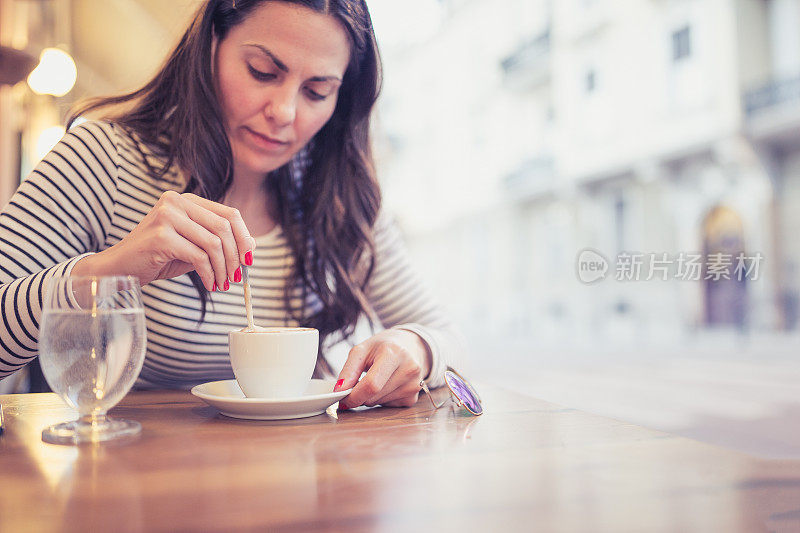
226,286
338,384
237,276
248,258
214,288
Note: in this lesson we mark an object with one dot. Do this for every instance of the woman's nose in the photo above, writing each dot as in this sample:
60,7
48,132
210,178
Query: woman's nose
281,107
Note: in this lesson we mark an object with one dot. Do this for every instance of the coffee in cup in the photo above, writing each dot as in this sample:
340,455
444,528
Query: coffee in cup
273,362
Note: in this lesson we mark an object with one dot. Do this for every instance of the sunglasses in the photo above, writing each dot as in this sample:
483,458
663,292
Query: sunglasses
460,390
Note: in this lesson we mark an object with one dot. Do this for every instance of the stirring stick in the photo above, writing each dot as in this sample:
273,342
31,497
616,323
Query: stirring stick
247,302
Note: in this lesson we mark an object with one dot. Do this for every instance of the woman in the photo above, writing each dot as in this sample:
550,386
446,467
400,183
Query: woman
250,146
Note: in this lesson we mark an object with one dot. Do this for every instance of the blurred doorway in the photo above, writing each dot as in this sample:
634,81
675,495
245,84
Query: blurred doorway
725,294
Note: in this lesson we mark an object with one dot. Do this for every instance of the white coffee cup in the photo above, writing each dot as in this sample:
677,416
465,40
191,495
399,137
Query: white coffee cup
273,362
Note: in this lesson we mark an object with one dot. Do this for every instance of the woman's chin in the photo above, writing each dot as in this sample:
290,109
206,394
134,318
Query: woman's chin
265,166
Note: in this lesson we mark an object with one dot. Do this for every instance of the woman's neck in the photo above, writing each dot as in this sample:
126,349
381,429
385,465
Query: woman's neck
250,197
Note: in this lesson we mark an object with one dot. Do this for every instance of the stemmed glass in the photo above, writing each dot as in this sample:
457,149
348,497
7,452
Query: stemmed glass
91,348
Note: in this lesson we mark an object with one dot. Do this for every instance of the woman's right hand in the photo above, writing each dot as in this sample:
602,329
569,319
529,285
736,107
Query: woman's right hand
181,233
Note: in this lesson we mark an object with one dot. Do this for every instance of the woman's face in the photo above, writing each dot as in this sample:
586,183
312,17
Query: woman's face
278,75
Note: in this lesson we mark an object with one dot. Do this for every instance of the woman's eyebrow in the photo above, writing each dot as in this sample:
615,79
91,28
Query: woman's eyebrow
278,63
282,66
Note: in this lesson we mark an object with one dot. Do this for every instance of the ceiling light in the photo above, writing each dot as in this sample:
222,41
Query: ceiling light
55,74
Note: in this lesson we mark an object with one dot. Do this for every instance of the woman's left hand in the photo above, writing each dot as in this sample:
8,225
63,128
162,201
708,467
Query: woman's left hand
395,360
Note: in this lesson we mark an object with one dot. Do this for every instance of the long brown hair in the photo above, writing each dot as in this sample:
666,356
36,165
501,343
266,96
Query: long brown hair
329,212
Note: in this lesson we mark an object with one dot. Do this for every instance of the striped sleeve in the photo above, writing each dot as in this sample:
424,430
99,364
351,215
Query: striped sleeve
401,300
57,216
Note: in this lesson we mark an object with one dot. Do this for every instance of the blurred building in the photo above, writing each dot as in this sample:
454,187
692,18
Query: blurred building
770,46
512,134
520,132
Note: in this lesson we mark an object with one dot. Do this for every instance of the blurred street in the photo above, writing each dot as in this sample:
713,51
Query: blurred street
739,393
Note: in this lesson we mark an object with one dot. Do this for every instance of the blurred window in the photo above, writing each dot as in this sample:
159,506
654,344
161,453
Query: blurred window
591,81
681,43
619,221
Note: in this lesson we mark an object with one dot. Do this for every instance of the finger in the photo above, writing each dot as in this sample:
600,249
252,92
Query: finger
391,386
373,382
407,401
353,367
403,383
244,241
221,227
185,251
208,242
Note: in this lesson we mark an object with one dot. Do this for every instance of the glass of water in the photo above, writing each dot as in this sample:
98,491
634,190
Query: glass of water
91,348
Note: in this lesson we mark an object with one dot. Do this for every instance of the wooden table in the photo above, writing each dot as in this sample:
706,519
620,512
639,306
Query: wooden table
525,465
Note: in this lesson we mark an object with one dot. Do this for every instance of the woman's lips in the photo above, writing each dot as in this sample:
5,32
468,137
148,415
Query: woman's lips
266,142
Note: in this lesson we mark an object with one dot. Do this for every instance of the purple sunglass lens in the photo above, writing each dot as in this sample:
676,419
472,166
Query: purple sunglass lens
463,392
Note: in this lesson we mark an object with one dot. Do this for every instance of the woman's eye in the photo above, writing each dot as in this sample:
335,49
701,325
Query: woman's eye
261,76
314,95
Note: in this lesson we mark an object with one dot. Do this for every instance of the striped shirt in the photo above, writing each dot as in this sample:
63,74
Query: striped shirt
92,189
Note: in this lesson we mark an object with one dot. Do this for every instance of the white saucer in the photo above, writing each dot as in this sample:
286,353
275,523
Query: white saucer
231,401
